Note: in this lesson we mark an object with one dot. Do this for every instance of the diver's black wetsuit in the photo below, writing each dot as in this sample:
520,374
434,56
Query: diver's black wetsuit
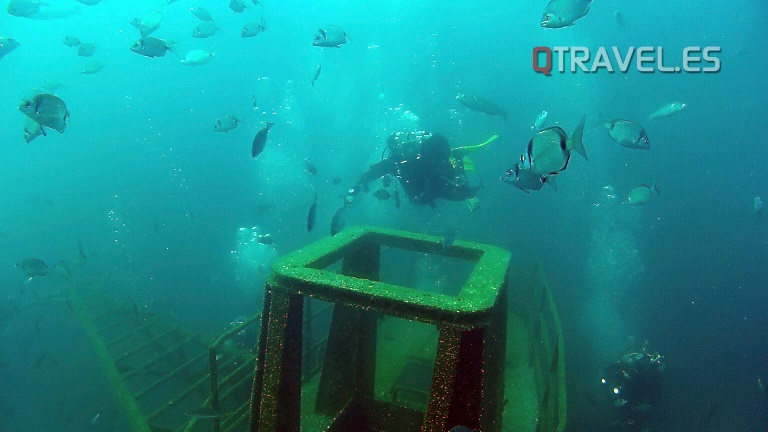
424,169
635,384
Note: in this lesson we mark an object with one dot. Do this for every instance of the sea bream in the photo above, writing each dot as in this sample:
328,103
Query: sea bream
205,29
339,220
149,23
33,267
668,110
641,194
226,123
525,180
482,105
201,13
540,120
237,6
331,36
47,110
312,214
70,41
316,74
197,58
563,13
628,134
7,45
253,29
260,140
40,10
549,151
152,47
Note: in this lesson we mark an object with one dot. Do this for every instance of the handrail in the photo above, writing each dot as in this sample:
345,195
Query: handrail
548,353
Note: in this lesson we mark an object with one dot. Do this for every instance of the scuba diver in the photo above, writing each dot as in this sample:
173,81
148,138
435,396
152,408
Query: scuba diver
426,166
634,384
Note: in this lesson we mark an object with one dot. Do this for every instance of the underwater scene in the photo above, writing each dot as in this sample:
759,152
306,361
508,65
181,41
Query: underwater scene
162,162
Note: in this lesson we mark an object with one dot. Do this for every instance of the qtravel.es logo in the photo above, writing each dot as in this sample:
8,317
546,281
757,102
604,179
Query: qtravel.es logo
645,59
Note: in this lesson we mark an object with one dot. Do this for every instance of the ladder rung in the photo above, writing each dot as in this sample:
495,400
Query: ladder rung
138,369
107,313
181,396
163,379
149,322
237,385
118,323
237,418
138,348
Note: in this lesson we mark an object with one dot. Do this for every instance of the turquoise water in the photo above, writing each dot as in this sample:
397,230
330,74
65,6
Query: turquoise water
166,208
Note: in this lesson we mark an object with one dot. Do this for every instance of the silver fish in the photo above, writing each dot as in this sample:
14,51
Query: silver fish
266,239
48,110
260,140
757,206
549,151
149,23
563,13
201,13
86,49
331,36
482,105
628,134
641,194
70,41
339,220
312,214
237,6
7,45
40,10
540,120
25,8
252,29
668,110
316,75
32,130
525,180
92,67
205,29
310,167
226,124
197,58
152,47
33,267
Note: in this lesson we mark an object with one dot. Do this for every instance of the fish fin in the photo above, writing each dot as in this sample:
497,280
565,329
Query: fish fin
42,130
551,181
577,139
655,188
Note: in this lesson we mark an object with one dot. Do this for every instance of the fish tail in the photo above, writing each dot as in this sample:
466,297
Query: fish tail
577,139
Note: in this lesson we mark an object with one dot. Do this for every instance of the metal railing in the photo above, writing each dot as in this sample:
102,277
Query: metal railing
547,357
240,375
